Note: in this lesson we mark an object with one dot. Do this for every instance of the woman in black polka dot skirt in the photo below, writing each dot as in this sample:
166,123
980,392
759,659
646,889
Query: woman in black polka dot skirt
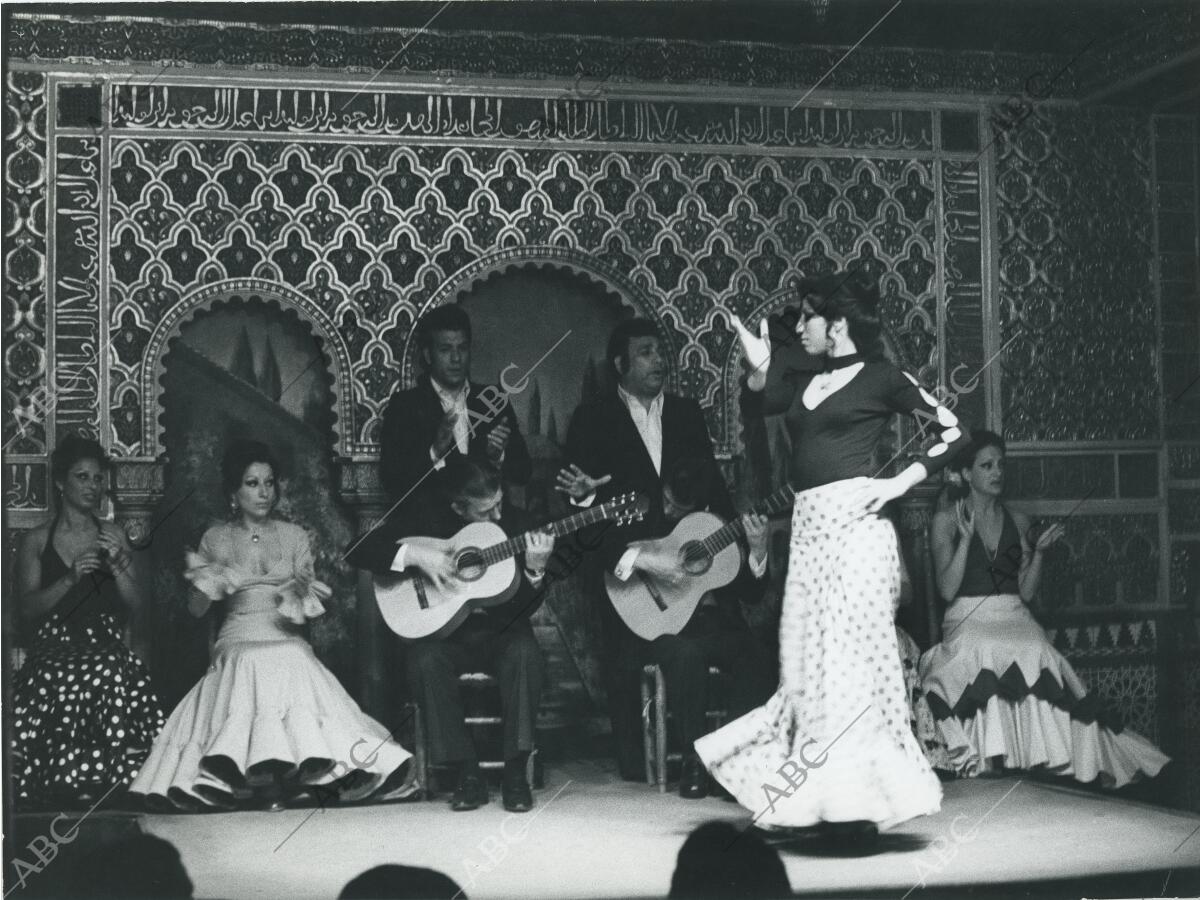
84,715
833,746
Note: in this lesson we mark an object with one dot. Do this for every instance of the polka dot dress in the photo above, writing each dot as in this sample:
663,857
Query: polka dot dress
834,743
84,716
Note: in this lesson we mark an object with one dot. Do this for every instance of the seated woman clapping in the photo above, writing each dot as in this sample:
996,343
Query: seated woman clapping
84,714
1002,694
268,721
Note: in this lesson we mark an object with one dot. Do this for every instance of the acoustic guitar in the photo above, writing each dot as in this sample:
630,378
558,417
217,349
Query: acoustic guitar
708,556
487,574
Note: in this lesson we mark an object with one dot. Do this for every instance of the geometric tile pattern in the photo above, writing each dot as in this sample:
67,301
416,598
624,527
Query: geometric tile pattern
373,233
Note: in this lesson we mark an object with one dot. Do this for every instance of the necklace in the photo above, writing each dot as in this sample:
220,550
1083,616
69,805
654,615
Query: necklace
255,537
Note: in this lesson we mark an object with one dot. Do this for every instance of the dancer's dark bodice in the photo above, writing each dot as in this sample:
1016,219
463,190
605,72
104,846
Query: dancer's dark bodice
838,439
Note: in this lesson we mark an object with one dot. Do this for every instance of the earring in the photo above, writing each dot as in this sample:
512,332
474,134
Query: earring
233,508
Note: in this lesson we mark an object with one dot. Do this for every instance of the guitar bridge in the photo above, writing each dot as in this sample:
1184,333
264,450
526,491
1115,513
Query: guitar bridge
655,595
422,597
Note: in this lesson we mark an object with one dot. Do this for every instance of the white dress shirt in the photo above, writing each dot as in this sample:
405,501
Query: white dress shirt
648,423
462,432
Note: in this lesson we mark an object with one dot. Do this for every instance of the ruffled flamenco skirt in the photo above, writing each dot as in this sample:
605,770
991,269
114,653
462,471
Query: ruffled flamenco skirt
834,743
1003,695
267,712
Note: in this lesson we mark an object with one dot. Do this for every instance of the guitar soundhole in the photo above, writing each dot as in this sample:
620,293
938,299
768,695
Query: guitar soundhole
696,560
470,564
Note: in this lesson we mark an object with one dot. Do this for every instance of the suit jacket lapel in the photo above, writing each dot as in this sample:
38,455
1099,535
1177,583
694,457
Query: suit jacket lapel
430,408
670,430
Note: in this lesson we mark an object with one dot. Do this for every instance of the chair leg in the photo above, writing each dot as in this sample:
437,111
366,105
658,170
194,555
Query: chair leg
532,770
660,727
421,752
647,731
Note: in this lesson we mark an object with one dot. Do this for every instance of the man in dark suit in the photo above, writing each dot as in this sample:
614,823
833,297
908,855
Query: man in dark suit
716,635
625,442
446,416
498,639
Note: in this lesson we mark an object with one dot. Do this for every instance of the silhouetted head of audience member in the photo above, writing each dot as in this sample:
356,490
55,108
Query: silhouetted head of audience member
139,865
719,861
401,883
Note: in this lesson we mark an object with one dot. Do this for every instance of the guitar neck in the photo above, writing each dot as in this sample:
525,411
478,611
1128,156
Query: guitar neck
731,531
562,527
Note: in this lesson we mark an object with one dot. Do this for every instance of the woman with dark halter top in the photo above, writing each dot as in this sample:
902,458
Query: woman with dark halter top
1002,695
84,716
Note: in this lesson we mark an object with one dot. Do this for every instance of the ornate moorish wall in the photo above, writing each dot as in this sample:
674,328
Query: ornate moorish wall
1039,274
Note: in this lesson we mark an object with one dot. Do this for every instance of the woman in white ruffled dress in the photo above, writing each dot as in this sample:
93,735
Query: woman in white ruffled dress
1002,695
267,721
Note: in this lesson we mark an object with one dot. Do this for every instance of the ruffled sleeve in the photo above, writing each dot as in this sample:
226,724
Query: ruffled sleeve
907,396
302,597
207,574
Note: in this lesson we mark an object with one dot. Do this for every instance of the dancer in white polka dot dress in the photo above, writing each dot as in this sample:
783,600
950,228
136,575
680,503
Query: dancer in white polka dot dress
84,715
833,746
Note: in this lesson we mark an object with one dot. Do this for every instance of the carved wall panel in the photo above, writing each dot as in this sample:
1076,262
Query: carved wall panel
372,234
1131,690
1102,561
1076,247
1190,693
27,392
79,349
1177,170
528,55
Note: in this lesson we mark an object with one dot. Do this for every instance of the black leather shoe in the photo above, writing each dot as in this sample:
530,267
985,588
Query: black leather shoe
693,780
516,794
471,793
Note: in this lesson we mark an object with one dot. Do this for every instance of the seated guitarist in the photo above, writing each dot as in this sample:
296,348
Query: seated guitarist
717,634
625,441
497,639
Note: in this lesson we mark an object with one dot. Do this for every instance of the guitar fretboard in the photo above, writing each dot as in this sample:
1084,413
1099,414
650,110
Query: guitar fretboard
731,531
513,546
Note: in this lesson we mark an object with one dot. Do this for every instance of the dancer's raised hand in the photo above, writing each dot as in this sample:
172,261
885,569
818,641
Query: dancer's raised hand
757,350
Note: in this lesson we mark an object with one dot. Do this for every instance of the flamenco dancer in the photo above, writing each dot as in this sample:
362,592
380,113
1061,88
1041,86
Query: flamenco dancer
268,721
1002,695
833,746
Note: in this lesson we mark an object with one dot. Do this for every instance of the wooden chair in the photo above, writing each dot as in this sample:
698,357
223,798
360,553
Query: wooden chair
478,681
654,724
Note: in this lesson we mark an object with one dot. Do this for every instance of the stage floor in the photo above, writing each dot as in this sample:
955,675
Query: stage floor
591,835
